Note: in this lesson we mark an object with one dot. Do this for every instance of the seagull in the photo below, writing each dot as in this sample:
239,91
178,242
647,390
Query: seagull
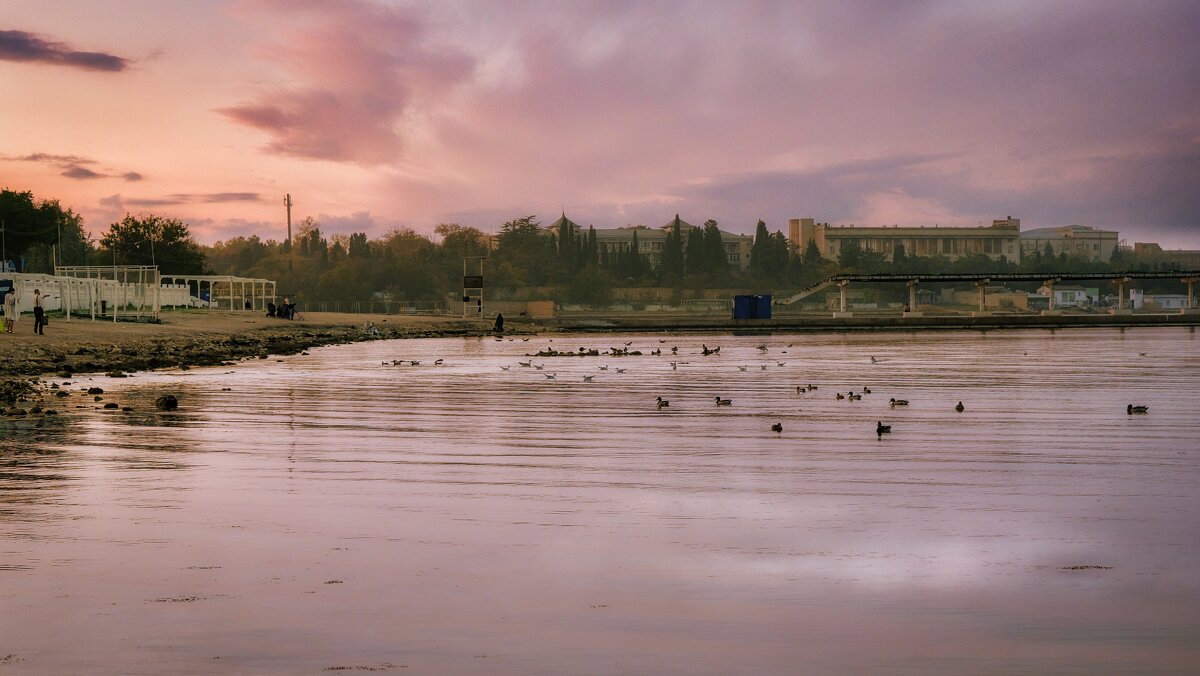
960,408
549,376
780,363
505,368
1131,409
764,367
539,366
588,379
629,343
620,370
662,403
437,362
874,360
882,429
603,368
525,363
777,427
897,402
743,368
724,402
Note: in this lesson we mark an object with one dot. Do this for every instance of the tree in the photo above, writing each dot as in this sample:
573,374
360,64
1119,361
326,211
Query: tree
715,260
672,265
35,229
759,262
849,255
812,253
357,246
154,240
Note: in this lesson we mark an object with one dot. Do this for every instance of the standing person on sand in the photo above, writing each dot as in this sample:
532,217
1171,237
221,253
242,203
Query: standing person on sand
10,310
39,313
499,327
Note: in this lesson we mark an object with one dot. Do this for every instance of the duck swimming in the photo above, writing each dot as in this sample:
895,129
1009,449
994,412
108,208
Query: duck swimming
898,402
1131,409
960,408
882,429
723,402
661,403
777,427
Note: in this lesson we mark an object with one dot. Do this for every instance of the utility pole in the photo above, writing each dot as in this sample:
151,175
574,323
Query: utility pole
3,249
287,202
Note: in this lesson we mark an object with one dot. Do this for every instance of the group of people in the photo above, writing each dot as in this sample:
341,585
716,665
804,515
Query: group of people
285,310
12,311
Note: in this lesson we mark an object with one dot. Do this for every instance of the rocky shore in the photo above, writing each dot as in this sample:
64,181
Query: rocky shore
185,341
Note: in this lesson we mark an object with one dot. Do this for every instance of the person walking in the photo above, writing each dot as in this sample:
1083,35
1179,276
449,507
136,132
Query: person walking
39,313
10,310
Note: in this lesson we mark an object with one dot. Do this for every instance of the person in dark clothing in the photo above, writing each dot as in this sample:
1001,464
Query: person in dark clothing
39,313
270,309
499,328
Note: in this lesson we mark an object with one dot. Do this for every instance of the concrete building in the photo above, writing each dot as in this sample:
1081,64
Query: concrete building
999,240
1068,295
1074,240
652,240
1184,259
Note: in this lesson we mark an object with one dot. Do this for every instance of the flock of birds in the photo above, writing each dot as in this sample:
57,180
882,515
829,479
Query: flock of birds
660,403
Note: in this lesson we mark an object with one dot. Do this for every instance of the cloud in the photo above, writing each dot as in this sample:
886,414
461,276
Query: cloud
25,47
362,73
201,198
132,176
81,172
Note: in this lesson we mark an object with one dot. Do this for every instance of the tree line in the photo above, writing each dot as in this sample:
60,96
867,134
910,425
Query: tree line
405,265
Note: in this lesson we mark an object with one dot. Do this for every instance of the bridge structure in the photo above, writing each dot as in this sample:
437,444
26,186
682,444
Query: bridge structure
984,279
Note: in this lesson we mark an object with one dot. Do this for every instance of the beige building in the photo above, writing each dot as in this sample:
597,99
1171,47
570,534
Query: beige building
1074,240
1186,259
1001,239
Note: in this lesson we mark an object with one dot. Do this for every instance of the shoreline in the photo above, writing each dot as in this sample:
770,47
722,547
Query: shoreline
196,338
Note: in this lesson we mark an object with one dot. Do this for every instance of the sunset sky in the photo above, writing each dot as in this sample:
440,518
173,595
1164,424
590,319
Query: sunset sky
379,114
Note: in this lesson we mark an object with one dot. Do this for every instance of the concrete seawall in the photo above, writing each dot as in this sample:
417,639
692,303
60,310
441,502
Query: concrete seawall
827,323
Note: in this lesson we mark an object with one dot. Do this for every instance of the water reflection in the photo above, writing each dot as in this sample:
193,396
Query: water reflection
307,512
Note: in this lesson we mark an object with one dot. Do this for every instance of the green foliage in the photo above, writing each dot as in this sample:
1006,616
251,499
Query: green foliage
592,286
34,229
153,240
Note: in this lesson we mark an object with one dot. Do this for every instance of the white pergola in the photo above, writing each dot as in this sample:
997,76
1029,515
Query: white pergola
234,292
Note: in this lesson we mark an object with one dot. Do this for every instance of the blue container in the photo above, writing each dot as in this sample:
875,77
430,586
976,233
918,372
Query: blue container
761,308
743,307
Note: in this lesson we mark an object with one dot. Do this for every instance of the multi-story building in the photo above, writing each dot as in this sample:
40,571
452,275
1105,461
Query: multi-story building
1184,259
651,240
1000,240
1091,243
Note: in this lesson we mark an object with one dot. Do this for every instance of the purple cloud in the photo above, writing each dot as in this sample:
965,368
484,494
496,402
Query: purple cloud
132,176
360,69
27,47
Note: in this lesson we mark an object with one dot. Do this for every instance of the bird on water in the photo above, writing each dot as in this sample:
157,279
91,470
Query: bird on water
661,403
723,402
882,429
960,408
898,402
1131,409
777,427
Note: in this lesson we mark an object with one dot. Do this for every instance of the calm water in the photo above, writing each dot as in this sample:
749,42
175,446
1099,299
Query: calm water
329,512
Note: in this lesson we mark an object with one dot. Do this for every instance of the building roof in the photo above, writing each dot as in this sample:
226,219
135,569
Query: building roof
1066,231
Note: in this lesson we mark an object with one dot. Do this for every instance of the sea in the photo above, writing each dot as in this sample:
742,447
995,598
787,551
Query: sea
439,507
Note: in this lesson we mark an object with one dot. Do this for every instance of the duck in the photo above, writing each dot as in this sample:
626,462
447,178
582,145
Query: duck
674,366
505,368
628,343
603,368
874,360
656,351
840,396
780,363
800,389
960,408
777,427
723,402
882,429
853,397
661,403
550,376
866,390
539,366
743,368
525,363
438,362
811,386
764,367
620,370
898,402
588,379
1131,409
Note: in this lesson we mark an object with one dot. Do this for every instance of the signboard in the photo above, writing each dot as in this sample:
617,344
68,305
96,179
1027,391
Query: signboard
473,281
